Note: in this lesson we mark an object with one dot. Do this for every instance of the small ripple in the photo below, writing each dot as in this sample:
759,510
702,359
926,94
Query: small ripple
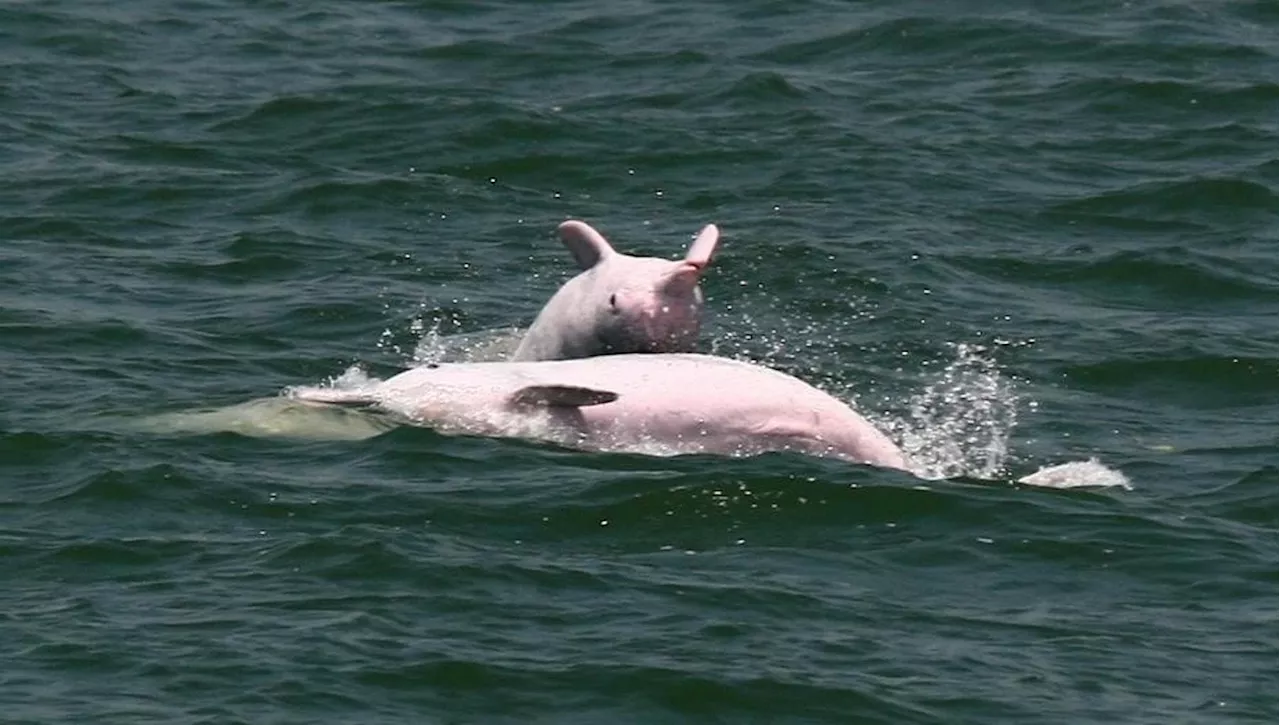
1251,499
348,555
32,448
132,191
1226,197
471,49
761,87
331,197
700,510
1177,275
64,227
1123,95
56,334
657,689
256,257
271,114
145,555
251,269
205,160
731,693
88,38
1233,142
70,655
127,485
1204,382
976,39
663,60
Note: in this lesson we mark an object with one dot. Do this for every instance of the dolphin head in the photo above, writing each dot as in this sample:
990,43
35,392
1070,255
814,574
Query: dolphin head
650,306
646,304
620,303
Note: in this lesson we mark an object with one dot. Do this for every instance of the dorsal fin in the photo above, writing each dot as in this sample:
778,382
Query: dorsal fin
571,396
586,245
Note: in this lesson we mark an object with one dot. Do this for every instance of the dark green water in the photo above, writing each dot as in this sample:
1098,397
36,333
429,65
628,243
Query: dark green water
1016,236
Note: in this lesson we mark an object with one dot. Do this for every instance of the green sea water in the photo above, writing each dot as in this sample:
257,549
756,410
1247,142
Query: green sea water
1012,235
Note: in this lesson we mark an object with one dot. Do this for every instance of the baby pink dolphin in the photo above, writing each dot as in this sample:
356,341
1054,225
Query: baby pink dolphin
651,403
620,303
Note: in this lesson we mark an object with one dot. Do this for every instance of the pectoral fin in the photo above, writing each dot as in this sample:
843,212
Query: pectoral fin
561,395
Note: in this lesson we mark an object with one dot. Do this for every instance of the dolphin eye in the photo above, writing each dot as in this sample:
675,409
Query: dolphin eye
432,366
613,302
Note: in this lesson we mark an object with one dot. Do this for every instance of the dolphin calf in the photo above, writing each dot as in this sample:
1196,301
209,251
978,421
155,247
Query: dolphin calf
663,403
620,303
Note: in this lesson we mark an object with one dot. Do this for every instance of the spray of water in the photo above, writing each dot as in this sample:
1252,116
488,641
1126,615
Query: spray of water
433,336
483,346
960,422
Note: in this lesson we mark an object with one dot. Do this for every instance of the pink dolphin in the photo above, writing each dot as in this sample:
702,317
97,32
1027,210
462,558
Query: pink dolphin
652,403
620,303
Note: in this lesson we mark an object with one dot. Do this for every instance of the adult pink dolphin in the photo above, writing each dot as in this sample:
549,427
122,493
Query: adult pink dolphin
653,403
620,303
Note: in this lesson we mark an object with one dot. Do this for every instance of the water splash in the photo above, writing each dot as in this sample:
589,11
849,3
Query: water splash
353,378
960,423
434,336
484,346
425,323
763,331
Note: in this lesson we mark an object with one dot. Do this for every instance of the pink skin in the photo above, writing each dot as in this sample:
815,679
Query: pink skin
619,303
652,403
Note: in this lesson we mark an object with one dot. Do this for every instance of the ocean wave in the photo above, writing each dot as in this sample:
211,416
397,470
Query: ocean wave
1217,196
1175,275
1124,95
129,486
1250,499
1206,382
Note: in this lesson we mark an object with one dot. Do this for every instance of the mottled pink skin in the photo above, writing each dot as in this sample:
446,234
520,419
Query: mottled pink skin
620,303
666,403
